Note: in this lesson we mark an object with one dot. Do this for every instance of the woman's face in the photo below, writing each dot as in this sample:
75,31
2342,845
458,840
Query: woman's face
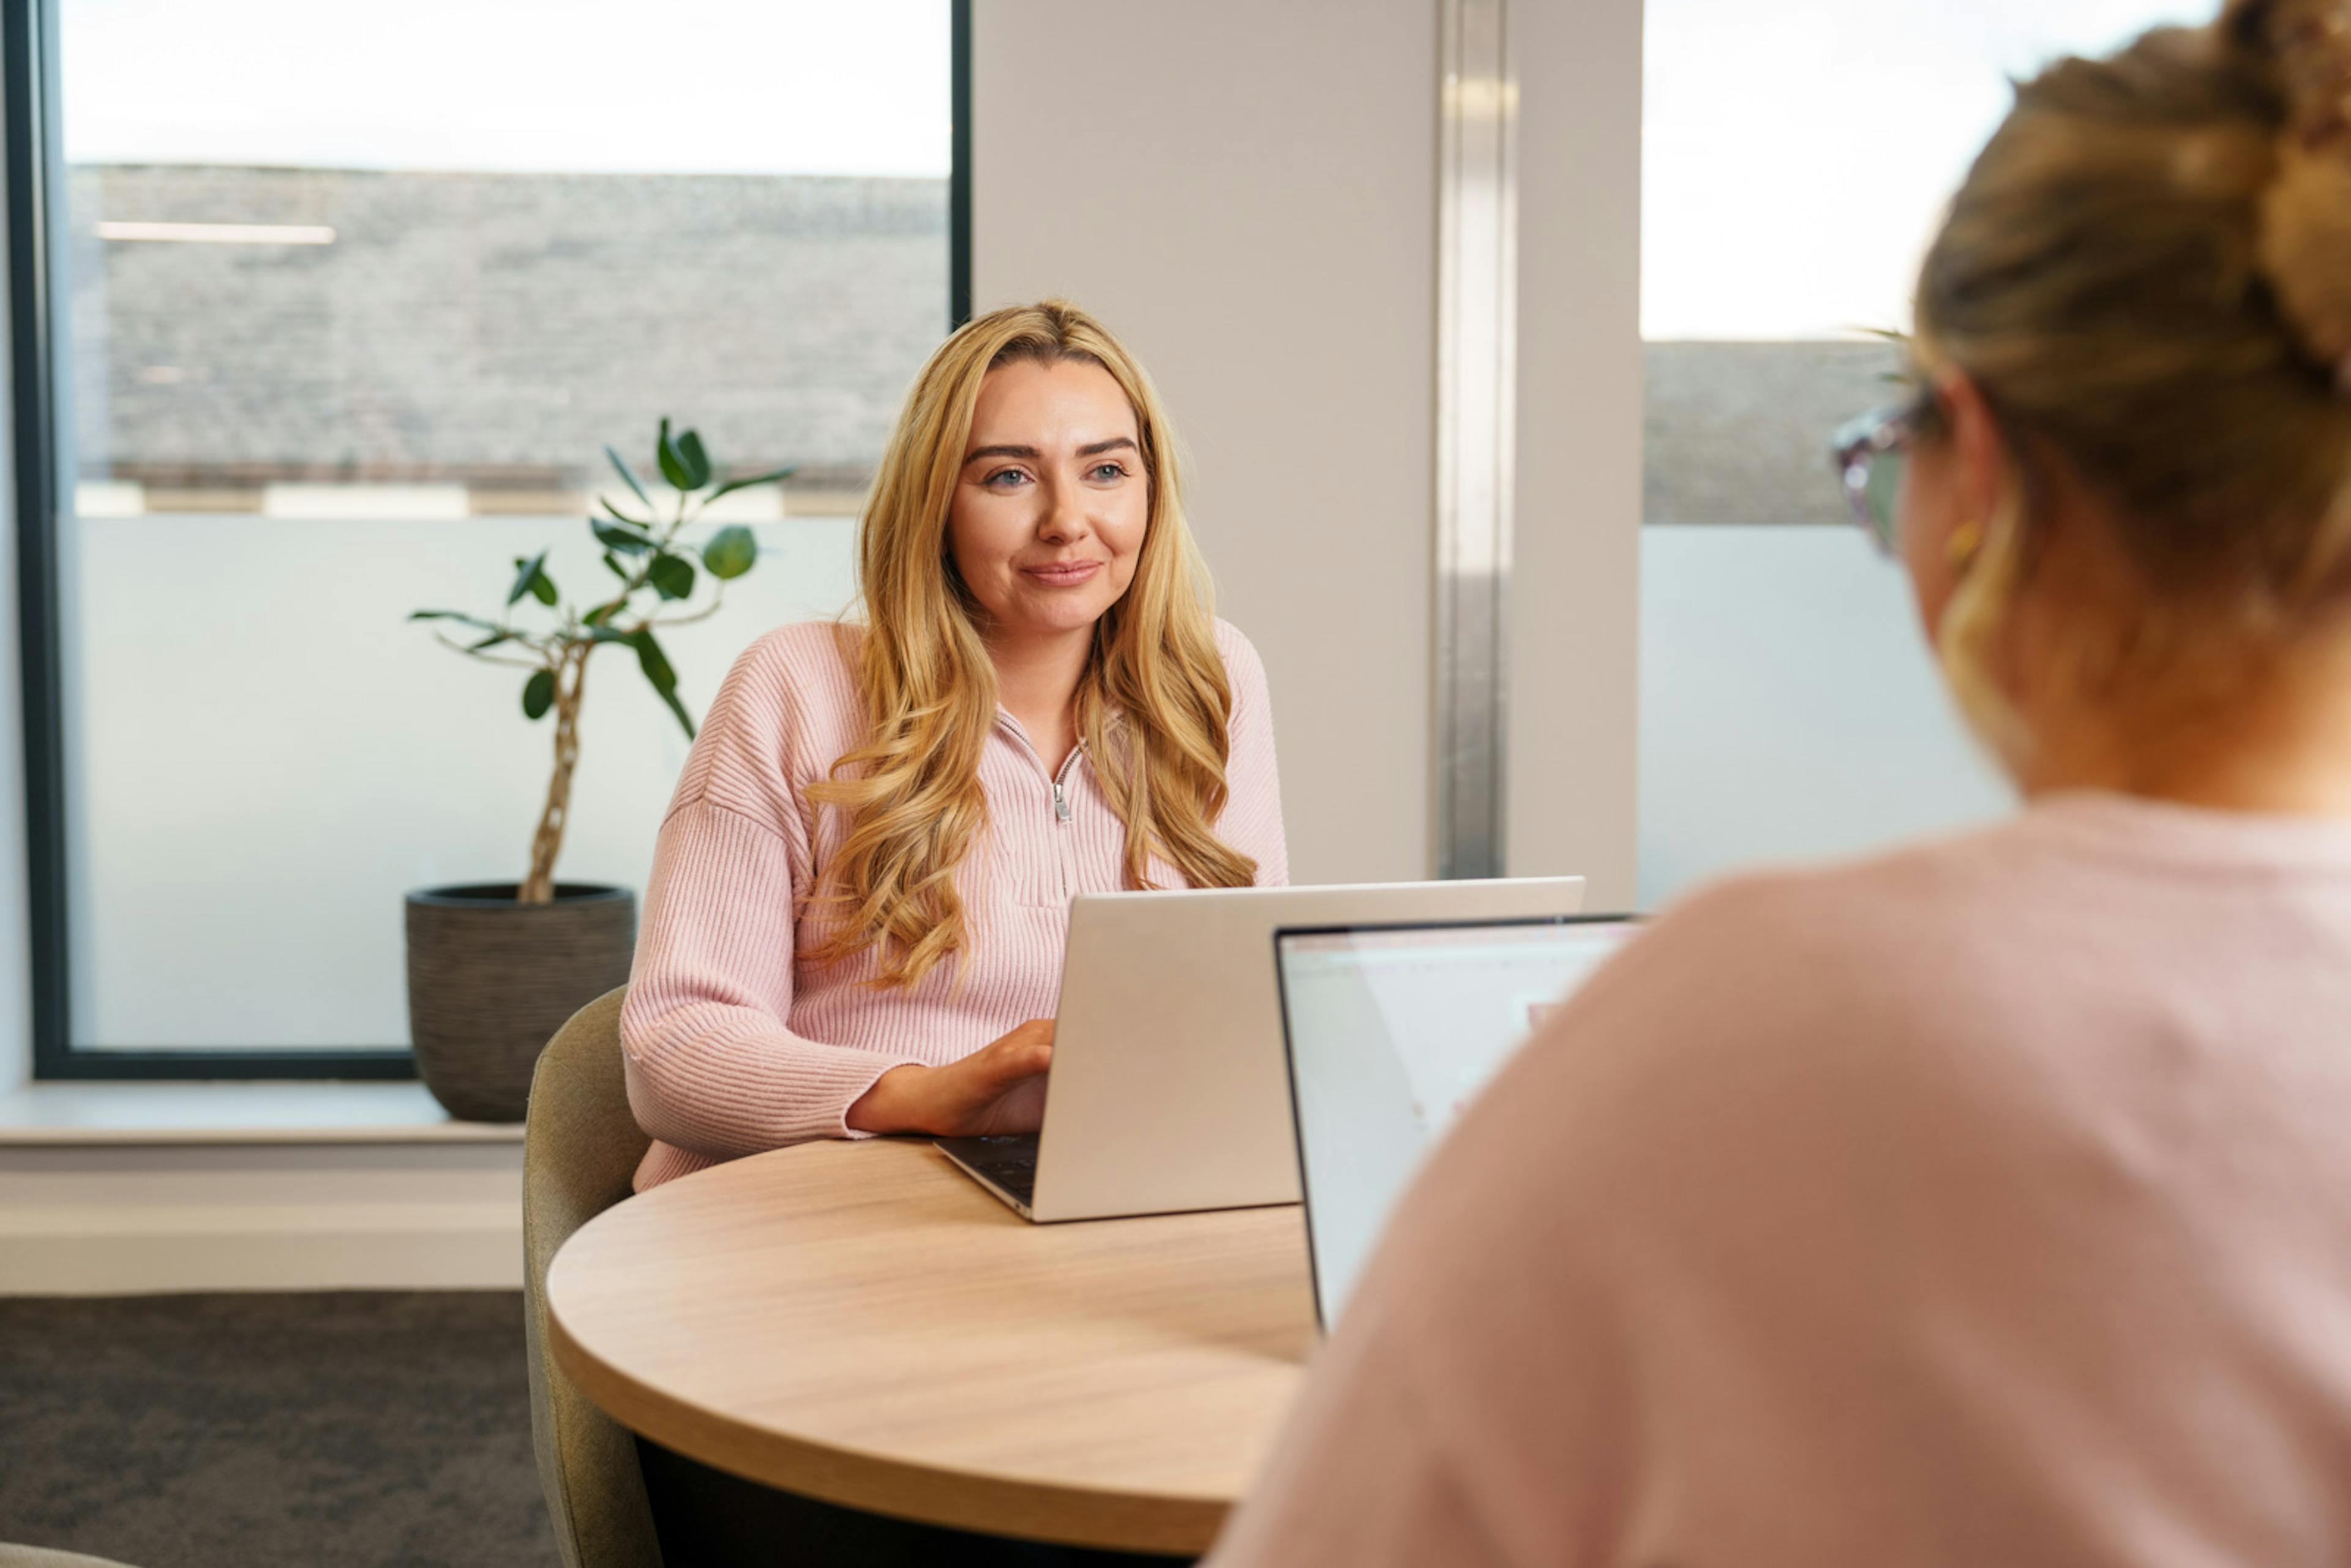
1052,502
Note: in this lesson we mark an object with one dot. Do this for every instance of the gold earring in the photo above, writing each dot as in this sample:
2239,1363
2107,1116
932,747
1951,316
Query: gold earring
1965,540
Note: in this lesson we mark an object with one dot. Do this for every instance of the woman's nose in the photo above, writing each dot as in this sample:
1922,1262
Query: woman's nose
1065,514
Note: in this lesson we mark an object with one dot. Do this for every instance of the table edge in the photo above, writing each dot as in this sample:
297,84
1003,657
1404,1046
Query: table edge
983,1500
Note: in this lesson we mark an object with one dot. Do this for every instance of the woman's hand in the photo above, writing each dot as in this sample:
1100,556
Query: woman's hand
999,1088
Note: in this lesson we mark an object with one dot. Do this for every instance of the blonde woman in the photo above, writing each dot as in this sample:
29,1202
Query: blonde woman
1988,1201
855,918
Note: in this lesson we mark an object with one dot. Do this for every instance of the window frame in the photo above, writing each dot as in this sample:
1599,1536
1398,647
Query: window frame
30,126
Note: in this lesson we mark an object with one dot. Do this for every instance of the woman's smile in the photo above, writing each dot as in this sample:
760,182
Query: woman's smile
1062,573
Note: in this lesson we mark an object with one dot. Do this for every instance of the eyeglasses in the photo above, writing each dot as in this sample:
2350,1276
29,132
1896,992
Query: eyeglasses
1869,453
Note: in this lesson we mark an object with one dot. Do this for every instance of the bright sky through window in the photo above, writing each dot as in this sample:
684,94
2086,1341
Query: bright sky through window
1795,154
686,87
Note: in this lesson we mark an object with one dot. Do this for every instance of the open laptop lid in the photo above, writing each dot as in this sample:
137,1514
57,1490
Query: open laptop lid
1389,1031
1168,1091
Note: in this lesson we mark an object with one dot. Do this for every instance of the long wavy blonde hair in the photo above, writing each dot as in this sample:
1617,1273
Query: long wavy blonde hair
1151,707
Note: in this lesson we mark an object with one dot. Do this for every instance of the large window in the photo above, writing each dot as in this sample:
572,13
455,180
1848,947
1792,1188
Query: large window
326,314
1795,157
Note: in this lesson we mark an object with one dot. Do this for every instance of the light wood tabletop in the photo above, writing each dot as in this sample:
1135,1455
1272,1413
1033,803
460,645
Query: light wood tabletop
860,1322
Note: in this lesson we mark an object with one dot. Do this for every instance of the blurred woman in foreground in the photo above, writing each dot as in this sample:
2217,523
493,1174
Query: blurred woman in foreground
1988,1201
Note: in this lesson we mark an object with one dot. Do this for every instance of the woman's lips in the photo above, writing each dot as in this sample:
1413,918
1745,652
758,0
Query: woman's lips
1062,573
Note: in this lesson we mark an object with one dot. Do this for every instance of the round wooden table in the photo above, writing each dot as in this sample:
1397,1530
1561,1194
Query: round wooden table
860,1322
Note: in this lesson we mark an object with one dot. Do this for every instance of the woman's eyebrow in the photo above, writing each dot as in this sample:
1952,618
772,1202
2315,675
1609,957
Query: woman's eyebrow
1090,449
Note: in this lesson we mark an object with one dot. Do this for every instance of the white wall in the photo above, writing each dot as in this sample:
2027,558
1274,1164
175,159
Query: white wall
94,1220
1246,194
1576,603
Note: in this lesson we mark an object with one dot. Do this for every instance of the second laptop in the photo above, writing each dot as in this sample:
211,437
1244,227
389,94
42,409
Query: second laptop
1168,1089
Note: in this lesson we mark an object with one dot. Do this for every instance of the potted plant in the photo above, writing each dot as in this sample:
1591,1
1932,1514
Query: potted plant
494,969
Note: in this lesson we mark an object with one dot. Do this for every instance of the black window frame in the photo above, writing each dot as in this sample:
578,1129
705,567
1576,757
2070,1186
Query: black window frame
29,95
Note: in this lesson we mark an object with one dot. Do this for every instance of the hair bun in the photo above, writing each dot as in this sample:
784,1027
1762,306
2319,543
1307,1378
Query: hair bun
2305,217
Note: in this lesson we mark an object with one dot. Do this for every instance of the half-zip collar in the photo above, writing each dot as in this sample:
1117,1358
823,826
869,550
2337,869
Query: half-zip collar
1063,844
1007,722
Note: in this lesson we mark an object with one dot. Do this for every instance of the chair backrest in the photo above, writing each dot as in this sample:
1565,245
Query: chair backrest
581,1146
48,1557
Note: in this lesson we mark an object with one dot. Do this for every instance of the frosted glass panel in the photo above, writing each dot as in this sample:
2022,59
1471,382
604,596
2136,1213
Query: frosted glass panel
1788,707
259,790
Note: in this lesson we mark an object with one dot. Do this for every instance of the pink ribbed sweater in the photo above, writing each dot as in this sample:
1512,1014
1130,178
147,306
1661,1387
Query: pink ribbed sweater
733,1043
1985,1202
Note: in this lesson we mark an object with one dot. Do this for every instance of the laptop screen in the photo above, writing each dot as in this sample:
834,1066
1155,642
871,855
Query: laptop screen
1391,1031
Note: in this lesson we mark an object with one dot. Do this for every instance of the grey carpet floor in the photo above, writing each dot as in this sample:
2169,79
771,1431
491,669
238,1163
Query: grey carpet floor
246,1431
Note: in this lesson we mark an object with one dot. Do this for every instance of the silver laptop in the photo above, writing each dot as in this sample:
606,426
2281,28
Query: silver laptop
1389,1031
1167,1092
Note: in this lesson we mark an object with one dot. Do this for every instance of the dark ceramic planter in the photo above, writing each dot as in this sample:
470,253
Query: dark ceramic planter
490,981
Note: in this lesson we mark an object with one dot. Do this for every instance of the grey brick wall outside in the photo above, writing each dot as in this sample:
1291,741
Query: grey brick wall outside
1739,433
499,328
487,326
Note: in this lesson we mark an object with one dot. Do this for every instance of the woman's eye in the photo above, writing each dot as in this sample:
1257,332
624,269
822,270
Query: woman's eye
1107,472
1004,478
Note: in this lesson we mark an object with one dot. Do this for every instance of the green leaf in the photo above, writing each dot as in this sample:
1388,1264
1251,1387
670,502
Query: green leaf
492,641
664,679
677,707
672,466
672,576
771,476
527,580
732,551
539,694
629,474
697,461
601,613
653,662
603,632
542,588
627,541
612,562
606,502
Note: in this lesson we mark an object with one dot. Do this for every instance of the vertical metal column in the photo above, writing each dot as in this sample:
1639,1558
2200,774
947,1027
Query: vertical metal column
28,125
1477,370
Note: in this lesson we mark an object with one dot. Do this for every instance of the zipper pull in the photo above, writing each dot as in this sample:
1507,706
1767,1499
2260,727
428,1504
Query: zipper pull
1060,803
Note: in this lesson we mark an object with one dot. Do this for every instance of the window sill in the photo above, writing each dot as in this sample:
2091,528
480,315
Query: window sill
234,1112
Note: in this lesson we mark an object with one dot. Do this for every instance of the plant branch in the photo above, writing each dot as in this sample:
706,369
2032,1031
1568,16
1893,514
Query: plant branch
538,887
633,584
704,614
489,658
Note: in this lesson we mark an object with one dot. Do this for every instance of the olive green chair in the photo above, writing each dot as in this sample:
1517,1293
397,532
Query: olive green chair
580,1146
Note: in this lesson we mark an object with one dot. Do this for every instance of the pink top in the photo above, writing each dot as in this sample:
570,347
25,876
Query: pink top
1986,1203
736,1045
